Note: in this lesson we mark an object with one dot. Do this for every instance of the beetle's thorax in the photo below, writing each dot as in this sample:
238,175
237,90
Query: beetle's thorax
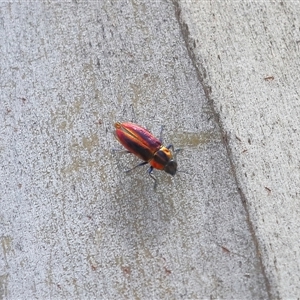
161,158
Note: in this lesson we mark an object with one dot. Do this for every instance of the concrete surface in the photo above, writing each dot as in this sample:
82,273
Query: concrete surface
247,55
73,225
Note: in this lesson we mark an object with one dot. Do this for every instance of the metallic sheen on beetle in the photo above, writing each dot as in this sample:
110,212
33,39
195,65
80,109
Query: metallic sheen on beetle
143,144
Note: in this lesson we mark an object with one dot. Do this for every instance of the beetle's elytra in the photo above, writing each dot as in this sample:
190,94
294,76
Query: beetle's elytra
143,144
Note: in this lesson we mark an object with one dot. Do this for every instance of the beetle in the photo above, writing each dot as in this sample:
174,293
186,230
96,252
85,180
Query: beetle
147,147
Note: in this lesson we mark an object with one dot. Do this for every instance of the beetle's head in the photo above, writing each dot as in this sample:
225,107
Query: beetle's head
171,167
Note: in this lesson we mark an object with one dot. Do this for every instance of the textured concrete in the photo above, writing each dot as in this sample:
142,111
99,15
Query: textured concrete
73,225
247,56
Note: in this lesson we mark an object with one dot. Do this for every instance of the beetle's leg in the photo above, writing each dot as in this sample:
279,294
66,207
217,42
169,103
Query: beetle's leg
171,146
150,172
175,151
139,165
120,150
161,133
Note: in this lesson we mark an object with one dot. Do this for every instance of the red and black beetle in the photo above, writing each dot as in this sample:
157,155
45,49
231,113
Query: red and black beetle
143,144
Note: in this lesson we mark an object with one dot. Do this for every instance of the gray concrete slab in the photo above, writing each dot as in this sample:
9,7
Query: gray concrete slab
72,223
247,55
